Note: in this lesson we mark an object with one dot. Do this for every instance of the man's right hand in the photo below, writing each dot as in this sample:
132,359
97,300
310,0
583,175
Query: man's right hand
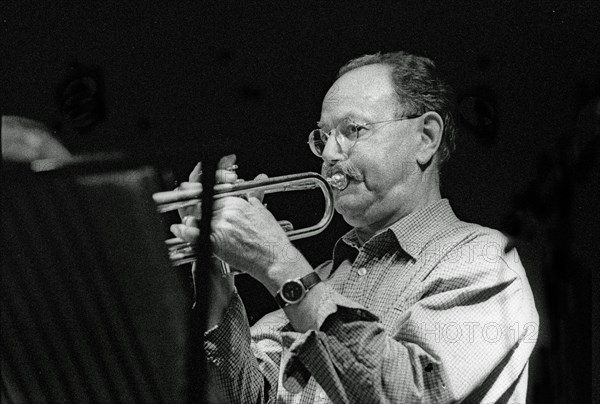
221,288
190,216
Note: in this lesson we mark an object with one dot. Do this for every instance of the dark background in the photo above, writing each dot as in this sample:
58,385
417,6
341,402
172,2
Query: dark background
171,81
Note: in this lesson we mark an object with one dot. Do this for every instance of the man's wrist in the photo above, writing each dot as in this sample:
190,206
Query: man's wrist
311,312
280,273
293,291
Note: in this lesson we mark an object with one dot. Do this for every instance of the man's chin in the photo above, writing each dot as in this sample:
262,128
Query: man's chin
352,211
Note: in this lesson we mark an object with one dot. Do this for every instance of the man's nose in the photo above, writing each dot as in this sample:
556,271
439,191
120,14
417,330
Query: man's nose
332,153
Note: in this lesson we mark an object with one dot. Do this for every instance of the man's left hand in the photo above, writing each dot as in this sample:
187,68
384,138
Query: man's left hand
247,236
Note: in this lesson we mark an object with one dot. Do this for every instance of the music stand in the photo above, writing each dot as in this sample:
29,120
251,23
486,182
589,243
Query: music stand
92,310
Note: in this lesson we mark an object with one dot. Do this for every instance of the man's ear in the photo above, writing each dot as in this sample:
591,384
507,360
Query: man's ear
430,137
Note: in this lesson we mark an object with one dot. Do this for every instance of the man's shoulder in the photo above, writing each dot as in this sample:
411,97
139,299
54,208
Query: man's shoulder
465,235
439,230
469,253
473,229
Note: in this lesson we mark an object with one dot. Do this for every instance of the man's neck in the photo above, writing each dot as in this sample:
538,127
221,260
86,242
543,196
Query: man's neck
365,233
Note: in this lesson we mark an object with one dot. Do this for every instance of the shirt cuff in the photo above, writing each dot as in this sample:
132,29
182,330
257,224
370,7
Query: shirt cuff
331,302
225,339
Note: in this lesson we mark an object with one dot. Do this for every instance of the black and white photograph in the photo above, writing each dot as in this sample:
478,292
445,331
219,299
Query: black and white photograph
300,202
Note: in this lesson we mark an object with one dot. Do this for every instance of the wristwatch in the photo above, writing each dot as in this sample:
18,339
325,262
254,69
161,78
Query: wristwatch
294,290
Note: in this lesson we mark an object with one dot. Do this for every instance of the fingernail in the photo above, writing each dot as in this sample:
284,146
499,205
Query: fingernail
229,159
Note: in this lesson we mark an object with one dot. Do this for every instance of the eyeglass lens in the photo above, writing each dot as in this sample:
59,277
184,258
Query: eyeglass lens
317,140
346,130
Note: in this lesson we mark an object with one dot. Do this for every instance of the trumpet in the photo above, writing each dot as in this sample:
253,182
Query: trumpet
182,252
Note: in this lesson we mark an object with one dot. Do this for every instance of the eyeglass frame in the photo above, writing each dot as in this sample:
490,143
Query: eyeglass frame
338,134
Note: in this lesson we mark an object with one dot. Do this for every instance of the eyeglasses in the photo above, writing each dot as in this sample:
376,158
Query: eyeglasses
346,134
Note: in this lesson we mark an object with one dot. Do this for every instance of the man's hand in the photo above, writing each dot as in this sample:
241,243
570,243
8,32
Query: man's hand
225,174
244,234
247,236
221,288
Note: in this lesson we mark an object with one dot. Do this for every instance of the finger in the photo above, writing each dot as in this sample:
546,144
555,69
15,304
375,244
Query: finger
189,234
229,202
226,170
226,176
195,186
286,225
226,161
258,195
190,221
175,229
196,173
257,203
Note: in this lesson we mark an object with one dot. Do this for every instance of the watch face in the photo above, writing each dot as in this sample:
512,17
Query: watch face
292,291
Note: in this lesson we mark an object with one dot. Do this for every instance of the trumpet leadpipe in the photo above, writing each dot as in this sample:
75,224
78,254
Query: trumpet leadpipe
181,252
172,200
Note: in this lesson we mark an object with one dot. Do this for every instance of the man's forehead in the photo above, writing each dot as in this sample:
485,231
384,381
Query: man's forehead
364,87
377,101
357,106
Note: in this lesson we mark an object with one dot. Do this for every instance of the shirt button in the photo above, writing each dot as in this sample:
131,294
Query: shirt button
322,395
362,271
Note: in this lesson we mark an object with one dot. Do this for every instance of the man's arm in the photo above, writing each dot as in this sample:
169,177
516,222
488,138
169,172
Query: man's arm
469,334
351,355
234,371
238,373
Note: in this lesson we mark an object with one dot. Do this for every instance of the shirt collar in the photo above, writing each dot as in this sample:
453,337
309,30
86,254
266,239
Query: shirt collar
346,247
415,230
412,232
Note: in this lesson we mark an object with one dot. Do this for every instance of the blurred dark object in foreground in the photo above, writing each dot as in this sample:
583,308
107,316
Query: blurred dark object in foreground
91,309
28,140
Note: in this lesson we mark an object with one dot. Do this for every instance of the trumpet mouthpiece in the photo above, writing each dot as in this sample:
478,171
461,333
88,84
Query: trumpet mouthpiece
338,181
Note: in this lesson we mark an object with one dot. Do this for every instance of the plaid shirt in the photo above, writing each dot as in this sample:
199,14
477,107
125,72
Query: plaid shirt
431,310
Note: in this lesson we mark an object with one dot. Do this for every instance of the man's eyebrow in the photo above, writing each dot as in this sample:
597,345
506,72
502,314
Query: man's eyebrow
349,115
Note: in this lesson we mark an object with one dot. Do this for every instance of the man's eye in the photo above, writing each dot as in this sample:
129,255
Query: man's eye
353,130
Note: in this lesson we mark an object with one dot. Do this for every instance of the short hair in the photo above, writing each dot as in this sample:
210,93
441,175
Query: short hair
419,89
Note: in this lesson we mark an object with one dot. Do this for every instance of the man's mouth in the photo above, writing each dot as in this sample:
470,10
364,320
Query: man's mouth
338,181
349,172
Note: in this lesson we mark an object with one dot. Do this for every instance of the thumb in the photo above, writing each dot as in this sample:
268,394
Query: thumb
258,195
257,203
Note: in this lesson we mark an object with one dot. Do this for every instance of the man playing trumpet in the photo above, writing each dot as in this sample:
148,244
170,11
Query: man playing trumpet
415,305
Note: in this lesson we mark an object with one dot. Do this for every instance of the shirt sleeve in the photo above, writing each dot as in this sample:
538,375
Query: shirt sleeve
468,335
240,370
244,362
